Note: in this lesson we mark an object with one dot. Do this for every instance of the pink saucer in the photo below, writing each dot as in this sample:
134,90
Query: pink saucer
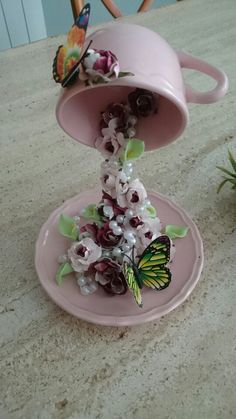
101,308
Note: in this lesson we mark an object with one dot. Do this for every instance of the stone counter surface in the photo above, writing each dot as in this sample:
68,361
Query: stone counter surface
54,366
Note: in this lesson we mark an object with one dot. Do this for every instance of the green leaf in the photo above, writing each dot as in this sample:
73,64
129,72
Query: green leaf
174,231
233,181
91,212
151,211
227,171
134,149
124,74
67,227
63,270
232,161
221,185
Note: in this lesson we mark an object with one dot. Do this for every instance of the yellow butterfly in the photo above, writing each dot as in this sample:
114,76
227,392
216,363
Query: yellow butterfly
150,270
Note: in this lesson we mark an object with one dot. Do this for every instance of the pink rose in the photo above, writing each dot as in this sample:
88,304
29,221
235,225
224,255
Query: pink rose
133,196
110,142
101,64
149,231
122,184
81,254
108,177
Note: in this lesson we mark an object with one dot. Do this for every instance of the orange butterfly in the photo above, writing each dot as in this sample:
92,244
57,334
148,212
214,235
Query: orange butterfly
69,56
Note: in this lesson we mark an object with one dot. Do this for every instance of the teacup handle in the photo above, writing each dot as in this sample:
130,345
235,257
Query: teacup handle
188,61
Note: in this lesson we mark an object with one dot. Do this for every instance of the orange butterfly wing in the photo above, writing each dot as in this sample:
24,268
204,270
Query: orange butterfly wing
69,54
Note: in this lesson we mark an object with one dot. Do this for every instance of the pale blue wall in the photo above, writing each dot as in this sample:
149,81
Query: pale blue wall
58,14
24,21
21,22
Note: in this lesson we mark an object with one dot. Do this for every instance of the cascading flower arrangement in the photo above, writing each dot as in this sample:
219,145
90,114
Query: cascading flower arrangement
124,225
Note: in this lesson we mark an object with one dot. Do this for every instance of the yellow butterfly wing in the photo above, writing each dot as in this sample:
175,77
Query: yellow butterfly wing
132,283
151,267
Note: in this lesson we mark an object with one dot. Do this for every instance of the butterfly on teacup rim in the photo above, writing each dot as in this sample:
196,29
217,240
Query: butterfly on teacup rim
150,269
69,56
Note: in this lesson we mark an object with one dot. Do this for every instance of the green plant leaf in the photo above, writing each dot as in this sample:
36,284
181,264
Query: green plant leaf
227,171
134,149
125,73
233,181
151,211
67,227
221,185
63,270
91,212
174,231
232,161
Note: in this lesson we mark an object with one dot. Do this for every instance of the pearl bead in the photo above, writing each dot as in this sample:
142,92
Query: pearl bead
126,247
77,218
123,177
148,203
129,213
93,287
106,254
128,171
129,164
85,290
120,219
117,231
141,209
131,241
128,234
131,132
113,224
116,252
108,211
82,281
132,120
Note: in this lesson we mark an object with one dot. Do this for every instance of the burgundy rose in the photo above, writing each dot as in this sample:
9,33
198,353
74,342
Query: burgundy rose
89,230
109,276
115,110
136,222
108,200
142,102
106,238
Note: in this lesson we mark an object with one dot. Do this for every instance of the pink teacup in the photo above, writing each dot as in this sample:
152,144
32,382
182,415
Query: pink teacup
156,67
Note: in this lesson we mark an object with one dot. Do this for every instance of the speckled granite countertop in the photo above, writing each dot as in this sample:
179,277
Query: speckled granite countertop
55,366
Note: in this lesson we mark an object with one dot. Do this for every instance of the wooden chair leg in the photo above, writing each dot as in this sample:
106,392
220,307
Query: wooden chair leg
145,5
77,6
112,8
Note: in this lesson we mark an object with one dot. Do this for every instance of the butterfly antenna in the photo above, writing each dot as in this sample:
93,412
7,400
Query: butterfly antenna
133,254
85,52
128,258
